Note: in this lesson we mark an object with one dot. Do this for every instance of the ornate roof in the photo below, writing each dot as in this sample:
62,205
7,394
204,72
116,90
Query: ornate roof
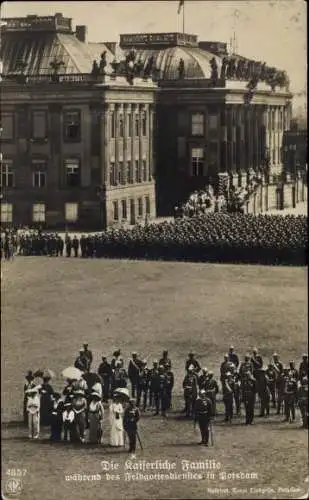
37,52
196,61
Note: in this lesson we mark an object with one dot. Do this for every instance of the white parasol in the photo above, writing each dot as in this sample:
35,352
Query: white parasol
72,373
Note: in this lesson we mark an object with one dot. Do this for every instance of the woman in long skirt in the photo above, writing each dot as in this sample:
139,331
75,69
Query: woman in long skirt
96,413
116,412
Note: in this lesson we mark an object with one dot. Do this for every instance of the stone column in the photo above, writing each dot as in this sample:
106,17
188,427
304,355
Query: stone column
223,140
105,131
133,141
141,110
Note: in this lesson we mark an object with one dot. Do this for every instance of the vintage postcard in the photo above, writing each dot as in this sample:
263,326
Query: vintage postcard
153,160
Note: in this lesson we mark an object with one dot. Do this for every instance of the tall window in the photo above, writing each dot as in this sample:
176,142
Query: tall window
197,124
38,125
115,210
136,126
147,202
145,171
38,212
7,125
144,124
124,209
136,171
140,207
112,174
7,174
113,124
72,126
22,123
71,212
6,212
129,172
72,171
121,179
121,126
197,161
39,173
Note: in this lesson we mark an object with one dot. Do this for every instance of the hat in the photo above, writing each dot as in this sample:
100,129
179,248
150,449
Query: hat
96,394
29,375
191,353
85,345
304,380
210,373
33,389
132,400
247,356
155,361
254,349
305,355
67,404
204,369
231,347
226,356
134,353
275,354
144,361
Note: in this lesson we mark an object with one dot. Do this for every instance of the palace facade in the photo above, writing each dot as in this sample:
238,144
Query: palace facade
91,130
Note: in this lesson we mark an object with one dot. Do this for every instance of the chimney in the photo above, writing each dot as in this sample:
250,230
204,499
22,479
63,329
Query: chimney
81,32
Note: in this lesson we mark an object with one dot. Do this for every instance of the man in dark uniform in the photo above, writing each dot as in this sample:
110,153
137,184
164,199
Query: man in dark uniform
142,384
237,392
81,362
154,371
130,419
192,361
248,396
302,397
68,245
46,392
293,373
60,246
245,367
134,367
290,393
224,367
105,373
203,379
227,389
165,361
169,388
160,392
83,246
88,354
264,393
56,421
189,386
280,382
75,245
117,357
203,412
257,363
271,376
303,367
232,356
212,389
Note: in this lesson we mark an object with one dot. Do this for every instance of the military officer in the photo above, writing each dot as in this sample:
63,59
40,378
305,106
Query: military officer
293,373
302,397
290,393
153,374
135,365
224,367
212,389
303,367
169,388
192,361
165,361
105,372
245,367
189,386
271,377
130,420
227,389
203,411
248,396
160,391
264,393
142,384
232,356
203,378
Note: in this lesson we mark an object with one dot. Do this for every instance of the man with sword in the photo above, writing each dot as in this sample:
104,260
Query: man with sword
203,412
130,419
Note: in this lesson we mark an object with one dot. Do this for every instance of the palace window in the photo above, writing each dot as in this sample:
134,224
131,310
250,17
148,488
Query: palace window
38,125
71,212
129,172
197,124
72,126
197,161
115,210
113,124
121,179
140,207
147,202
72,172
7,126
136,171
7,174
145,171
112,174
124,208
129,125
38,212
6,212
144,124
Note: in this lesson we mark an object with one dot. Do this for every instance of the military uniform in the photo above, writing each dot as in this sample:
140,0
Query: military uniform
271,377
190,392
165,361
56,418
160,392
245,367
212,390
303,401
227,389
75,245
191,361
303,368
202,414
237,392
143,382
290,393
264,394
134,367
248,396
68,245
152,375
169,388
130,419
105,373
280,382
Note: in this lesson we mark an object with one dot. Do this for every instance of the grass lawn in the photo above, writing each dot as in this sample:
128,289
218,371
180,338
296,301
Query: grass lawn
51,305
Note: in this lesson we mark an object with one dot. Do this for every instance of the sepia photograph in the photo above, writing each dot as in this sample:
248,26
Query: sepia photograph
154,238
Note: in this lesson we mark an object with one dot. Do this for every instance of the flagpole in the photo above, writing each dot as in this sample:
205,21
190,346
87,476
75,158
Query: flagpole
183,17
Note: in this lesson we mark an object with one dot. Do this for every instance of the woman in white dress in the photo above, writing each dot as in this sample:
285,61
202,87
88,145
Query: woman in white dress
116,412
